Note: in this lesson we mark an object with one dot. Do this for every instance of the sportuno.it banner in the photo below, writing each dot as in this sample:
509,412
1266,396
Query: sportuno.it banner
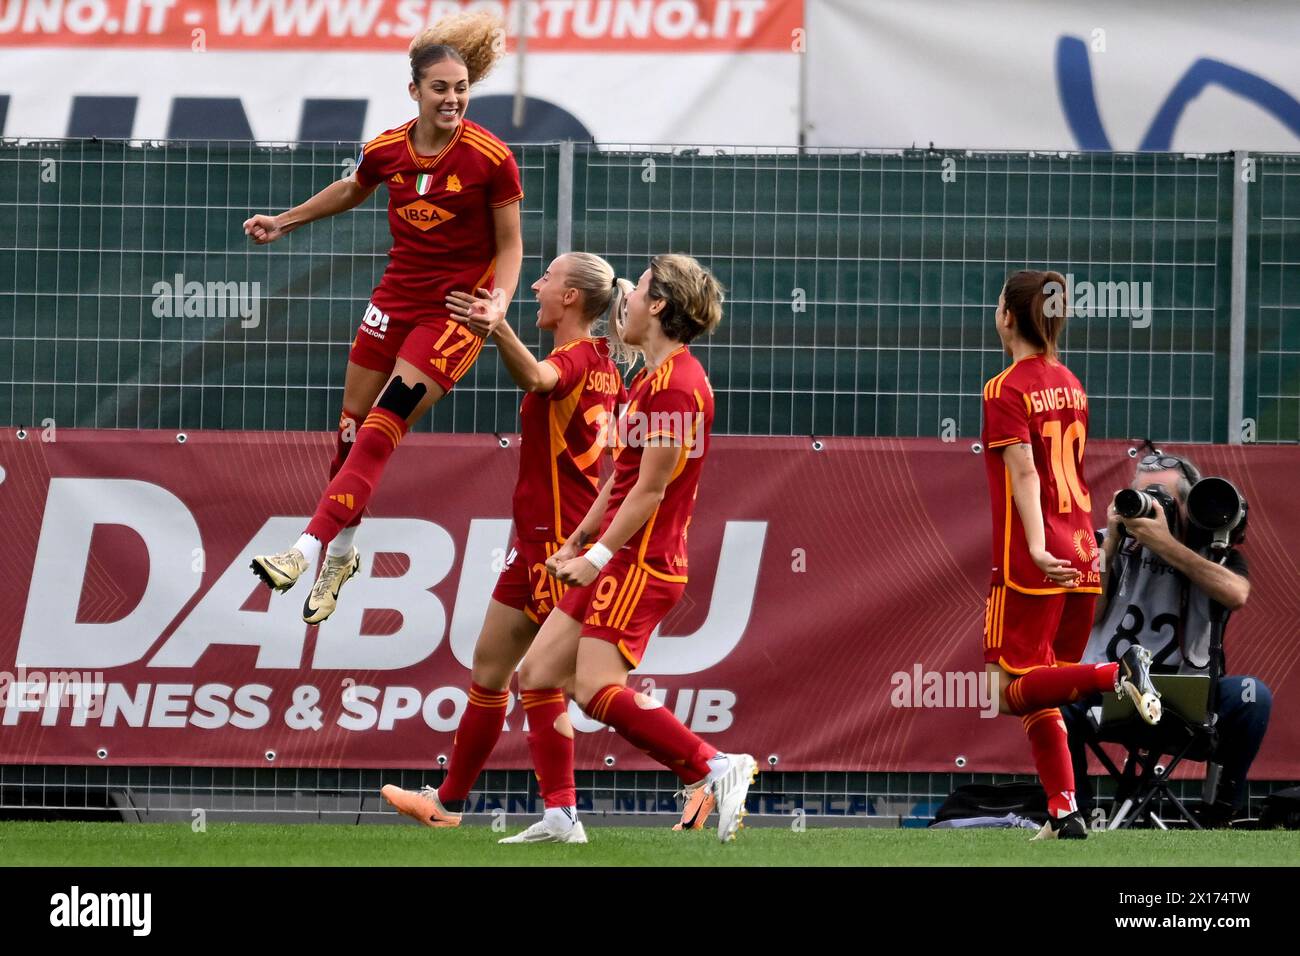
575,25
613,71
835,603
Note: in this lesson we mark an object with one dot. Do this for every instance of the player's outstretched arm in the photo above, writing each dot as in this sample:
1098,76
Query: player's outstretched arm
528,373
337,197
1026,491
486,315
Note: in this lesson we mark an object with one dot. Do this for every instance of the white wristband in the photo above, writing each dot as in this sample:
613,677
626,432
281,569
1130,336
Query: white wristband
599,555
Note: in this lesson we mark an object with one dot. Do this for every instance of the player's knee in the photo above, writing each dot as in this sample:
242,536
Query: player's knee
400,398
584,689
535,675
489,671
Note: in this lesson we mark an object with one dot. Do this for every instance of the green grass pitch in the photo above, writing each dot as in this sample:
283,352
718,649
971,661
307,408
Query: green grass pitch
251,844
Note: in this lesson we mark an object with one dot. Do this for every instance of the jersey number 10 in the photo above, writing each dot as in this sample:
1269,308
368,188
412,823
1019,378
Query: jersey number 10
1066,454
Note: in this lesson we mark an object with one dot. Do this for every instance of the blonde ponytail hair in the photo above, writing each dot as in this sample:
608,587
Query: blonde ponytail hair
603,295
476,40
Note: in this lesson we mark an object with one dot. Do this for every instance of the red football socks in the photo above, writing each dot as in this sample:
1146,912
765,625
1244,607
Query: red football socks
1051,749
550,741
1054,686
349,425
479,730
348,491
647,724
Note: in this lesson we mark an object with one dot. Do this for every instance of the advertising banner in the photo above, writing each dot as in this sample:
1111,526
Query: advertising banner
833,616
616,71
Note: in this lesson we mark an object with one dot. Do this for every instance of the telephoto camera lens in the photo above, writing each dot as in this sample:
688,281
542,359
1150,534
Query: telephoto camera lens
1214,504
1135,504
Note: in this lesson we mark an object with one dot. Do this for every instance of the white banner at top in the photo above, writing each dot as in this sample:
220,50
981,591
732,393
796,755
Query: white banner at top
1190,76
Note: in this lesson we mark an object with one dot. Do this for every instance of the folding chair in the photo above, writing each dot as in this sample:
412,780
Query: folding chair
1185,732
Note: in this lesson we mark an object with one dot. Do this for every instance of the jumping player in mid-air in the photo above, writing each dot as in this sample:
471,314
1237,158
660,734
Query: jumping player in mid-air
1045,575
565,422
623,586
453,210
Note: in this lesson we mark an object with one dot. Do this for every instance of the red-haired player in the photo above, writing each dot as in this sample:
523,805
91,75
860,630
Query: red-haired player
564,422
1045,578
631,577
453,210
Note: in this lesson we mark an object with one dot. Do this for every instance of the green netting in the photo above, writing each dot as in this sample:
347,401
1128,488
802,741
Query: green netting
1272,366
861,284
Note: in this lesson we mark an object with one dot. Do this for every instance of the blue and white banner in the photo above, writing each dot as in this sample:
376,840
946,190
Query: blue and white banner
1187,76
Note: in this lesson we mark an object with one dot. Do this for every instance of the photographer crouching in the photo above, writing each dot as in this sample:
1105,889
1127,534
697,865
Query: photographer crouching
1169,573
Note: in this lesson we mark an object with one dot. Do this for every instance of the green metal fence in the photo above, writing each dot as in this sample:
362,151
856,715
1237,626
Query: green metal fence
1272,363
861,284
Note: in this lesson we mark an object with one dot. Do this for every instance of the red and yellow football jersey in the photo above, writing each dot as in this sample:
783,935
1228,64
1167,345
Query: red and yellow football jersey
1041,404
564,433
440,209
674,405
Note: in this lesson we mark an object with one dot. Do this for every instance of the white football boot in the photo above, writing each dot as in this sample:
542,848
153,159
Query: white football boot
550,830
730,790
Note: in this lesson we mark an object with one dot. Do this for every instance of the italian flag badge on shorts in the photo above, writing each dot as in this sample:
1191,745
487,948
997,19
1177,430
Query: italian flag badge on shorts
422,183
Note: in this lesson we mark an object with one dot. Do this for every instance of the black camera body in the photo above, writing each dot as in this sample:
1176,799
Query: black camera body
1150,502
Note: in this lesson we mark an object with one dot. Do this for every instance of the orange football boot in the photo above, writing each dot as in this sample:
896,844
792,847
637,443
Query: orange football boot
699,804
423,806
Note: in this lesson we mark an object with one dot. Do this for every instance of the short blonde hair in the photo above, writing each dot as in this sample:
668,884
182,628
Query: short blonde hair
476,40
692,295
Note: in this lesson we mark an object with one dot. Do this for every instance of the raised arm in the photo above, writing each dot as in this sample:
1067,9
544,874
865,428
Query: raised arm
339,196
484,313
528,373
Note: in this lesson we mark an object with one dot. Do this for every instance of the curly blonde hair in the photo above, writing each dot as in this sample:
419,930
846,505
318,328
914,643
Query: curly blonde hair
477,40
